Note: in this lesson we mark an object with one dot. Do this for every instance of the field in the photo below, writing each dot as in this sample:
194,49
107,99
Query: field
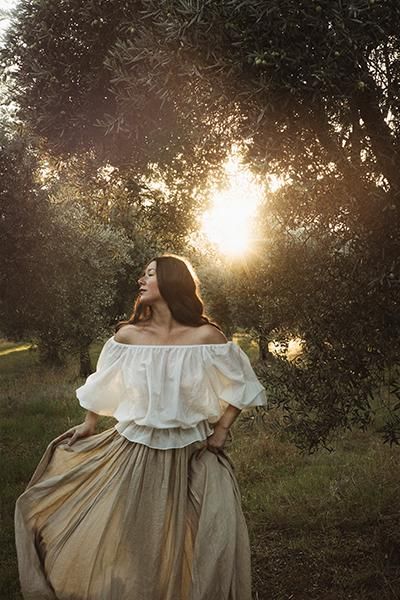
322,527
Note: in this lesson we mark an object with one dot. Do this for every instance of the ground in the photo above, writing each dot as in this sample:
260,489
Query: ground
322,527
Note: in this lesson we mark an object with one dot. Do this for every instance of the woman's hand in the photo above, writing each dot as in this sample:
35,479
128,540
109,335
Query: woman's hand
216,441
83,430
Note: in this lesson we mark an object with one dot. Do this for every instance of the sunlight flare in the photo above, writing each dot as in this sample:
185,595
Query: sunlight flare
229,222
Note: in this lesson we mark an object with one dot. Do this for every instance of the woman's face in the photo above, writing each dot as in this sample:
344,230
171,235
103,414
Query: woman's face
149,291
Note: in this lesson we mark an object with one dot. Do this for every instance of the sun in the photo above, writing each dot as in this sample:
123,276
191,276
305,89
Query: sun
229,222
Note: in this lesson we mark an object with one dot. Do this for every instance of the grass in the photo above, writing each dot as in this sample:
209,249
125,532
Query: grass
322,527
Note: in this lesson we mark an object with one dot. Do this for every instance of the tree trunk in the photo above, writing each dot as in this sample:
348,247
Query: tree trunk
379,132
49,354
264,354
85,364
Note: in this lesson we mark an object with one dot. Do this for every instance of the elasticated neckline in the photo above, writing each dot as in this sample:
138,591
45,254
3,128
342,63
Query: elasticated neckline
169,345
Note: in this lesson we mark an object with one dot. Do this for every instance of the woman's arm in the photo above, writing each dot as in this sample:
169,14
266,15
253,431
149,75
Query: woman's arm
85,429
217,440
91,418
230,415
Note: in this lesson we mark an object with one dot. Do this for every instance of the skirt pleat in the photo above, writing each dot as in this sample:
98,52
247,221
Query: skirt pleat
111,519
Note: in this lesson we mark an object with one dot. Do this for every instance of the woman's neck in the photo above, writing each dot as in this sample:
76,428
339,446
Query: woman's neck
162,319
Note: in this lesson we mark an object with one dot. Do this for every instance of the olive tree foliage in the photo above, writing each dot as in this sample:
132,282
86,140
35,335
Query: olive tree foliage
23,227
69,68
312,90
60,266
84,261
149,209
150,212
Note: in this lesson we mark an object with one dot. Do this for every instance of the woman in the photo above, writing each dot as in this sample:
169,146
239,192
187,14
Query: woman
149,509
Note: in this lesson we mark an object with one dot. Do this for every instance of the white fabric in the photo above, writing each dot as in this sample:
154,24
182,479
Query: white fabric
167,396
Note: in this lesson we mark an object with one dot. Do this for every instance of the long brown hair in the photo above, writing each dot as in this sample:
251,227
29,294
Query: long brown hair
179,286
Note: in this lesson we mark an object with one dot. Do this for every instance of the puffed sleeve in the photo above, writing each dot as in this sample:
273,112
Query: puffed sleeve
104,389
233,379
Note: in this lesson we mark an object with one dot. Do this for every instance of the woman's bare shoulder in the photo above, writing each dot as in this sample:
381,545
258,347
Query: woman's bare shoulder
128,334
208,334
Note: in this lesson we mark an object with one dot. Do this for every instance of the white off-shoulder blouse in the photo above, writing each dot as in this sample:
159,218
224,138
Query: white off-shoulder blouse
168,396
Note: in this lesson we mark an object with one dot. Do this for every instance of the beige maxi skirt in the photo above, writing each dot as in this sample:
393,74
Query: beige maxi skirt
111,519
